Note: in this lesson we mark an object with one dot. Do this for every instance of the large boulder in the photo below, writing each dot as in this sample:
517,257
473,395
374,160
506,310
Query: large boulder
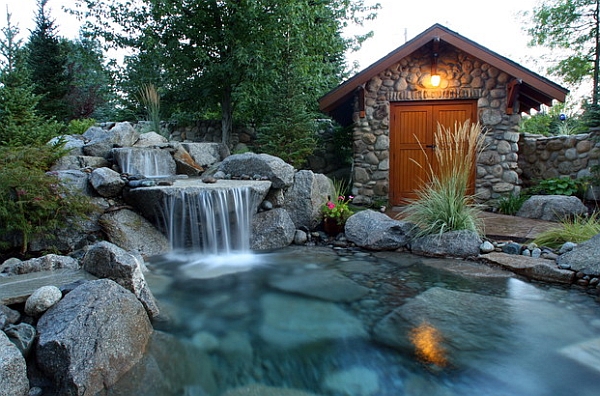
45,263
76,181
150,139
254,165
77,162
552,207
185,163
107,182
13,370
272,229
460,243
308,194
585,257
106,260
133,233
205,154
92,337
377,231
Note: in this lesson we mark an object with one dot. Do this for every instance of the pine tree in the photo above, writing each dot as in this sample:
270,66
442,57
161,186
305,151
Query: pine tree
47,62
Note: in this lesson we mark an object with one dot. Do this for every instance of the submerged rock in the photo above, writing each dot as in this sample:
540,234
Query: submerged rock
291,322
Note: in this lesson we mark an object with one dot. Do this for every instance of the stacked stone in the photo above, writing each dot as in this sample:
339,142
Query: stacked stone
463,77
558,156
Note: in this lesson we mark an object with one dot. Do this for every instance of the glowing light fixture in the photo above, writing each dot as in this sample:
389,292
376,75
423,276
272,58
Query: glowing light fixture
435,77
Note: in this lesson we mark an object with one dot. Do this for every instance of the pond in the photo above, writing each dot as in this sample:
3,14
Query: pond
322,321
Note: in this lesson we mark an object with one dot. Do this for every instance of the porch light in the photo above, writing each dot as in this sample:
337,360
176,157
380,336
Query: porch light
435,80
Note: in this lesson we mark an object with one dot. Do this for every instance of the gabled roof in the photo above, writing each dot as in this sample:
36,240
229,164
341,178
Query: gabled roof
533,89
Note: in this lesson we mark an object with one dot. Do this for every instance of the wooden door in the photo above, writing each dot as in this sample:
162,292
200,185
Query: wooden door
412,128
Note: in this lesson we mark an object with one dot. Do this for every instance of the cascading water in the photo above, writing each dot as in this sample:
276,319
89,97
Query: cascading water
211,221
148,162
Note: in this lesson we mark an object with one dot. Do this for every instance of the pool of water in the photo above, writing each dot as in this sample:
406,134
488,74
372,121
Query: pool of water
319,321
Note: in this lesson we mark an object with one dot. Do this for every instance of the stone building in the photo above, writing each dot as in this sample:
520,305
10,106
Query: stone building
395,106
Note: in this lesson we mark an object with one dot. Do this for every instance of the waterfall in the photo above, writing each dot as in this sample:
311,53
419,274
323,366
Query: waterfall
145,161
213,221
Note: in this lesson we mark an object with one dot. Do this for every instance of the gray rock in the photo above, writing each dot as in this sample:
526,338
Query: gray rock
8,316
327,285
205,154
487,247
44,263
291,322
305,198
461,243
107,182
150,139
75,180
99,142
512,248
552,207
72,143
584,257
263,390
13,370
566,247
77,162
377,231
462,318
22,335
273,168
106,260
300,237
273,229
41,300
123,134
355,381
133,233
531,268
93,336
169,367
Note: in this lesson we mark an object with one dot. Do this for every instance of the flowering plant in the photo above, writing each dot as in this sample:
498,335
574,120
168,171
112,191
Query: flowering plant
337,210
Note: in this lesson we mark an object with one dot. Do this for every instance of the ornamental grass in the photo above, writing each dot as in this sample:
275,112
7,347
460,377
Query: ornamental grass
577,229
443,204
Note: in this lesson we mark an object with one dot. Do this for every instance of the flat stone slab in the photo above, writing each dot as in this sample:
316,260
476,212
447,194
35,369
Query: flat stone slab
586,353
530,267
16,289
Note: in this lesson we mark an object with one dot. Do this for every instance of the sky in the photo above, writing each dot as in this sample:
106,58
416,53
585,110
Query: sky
494,25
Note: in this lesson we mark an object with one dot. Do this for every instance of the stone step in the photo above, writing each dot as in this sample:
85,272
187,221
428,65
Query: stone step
15,289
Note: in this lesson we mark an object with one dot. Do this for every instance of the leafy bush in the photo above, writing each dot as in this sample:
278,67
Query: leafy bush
444,205
78,127
578,229
560,186
510,205
32,203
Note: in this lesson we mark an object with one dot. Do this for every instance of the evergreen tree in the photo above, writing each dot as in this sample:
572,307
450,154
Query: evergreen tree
20,123
47,62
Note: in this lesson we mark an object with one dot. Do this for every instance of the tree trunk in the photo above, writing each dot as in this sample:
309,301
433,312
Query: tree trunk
595,93
226,117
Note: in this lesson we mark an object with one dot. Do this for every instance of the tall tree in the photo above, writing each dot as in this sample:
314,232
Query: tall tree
572,27
47,62
20,123
225,52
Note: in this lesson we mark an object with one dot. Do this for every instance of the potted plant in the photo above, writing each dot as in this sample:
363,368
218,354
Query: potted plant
335,214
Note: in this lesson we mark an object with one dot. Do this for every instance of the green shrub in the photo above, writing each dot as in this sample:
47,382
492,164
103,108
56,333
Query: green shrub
444,205
510,205
560,186
33,203
78,127
578,229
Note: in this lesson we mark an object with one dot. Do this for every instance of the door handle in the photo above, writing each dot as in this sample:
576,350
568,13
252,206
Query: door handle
431,146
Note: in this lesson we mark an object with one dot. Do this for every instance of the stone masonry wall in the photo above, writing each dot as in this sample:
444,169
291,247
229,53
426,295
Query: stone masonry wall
463,77
558,156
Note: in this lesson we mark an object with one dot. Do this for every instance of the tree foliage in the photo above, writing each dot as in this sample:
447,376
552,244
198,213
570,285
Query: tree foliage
225,55
47,63
572,28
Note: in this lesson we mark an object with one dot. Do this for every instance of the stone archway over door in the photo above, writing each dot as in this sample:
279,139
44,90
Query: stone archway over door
412,123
